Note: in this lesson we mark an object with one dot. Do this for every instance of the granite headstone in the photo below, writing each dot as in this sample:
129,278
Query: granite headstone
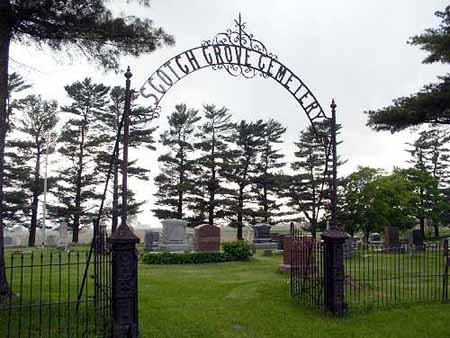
174,235
391,238
206,238
416,238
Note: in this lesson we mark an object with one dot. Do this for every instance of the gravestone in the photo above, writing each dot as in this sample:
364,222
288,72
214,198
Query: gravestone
206,238
8,241
278,239
286,265
174,235
63,239
51,240
375,238
150,240
391,238
348,248
263,239
416,238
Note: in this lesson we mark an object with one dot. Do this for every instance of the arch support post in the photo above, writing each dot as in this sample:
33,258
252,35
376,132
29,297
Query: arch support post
124,257
334,271
333,132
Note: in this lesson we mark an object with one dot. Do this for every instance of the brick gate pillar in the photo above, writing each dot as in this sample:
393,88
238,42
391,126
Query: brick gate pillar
334,270
124,283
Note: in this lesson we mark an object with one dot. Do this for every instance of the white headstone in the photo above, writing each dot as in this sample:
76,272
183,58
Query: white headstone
174,231
63,236
174,235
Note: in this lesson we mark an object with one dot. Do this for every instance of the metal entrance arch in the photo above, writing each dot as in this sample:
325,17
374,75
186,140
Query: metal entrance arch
239,53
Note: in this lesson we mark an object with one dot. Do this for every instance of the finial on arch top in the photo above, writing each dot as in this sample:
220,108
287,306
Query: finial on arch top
333,105
128,73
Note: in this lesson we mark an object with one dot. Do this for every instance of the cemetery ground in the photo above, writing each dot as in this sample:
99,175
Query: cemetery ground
245,299
251,299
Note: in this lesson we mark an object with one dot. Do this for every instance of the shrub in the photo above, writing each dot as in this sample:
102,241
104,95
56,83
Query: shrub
237,251
184,258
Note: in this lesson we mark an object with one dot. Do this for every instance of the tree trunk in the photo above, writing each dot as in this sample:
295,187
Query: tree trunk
76,218
240,213
436,230
35,201
5,39
265,204
422,226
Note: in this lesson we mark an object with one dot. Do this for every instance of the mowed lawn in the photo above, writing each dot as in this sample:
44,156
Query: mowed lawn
251,299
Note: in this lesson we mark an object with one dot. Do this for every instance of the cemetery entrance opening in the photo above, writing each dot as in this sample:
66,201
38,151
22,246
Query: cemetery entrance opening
235,52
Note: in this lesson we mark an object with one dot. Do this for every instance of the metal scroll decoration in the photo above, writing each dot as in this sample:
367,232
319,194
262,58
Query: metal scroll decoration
239,53
240,38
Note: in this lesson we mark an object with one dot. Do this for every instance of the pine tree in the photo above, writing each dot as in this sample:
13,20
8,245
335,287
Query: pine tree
15,202
177,165
430,105
268,182
214,136
241,169
37,121
141,136
308,189
86,26
81,140
430,161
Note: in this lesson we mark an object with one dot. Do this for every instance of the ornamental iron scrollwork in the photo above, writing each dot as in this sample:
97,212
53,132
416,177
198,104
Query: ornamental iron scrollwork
239,37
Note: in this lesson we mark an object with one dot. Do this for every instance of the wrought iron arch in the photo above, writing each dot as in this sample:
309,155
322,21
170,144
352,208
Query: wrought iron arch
239,53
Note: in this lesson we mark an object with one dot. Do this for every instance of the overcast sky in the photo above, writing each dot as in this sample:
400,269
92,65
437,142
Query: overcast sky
352,50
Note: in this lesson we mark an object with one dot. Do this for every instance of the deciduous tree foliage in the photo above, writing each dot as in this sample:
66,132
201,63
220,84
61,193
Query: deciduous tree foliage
84,26
356,199
432,104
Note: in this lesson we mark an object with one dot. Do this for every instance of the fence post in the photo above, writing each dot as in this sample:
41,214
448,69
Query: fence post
445,277
334,270
124,283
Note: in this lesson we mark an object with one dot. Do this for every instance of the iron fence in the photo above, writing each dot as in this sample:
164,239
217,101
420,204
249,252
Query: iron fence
307,269
378,276
364,276
47,299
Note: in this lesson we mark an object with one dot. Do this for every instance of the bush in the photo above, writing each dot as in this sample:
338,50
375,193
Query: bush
184,258
237,251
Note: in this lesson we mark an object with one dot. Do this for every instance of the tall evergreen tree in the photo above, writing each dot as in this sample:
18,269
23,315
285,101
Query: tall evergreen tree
242,168
15,172
431,104
430,174
37,121
81,140
308,189
213,145
176,179
141,136
86,26
268,181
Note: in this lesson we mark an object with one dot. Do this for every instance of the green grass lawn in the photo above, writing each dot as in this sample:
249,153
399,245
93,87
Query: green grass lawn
251,299
240,299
